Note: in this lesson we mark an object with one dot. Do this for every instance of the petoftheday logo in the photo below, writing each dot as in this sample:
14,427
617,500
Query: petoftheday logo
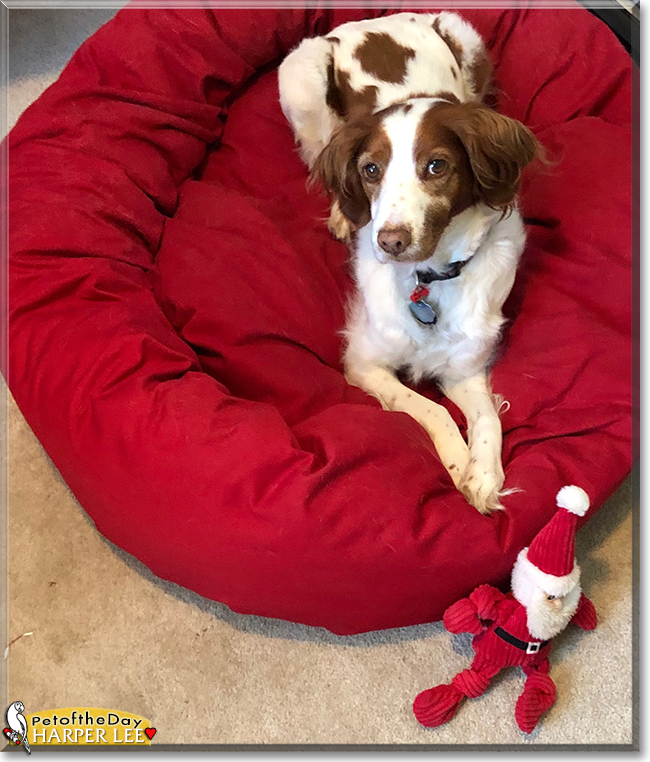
76,726
17,730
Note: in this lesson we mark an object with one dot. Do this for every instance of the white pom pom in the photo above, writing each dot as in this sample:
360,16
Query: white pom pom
573,499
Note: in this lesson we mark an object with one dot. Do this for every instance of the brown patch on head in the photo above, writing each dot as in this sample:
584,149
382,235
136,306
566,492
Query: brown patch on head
480,72
477,156
383,57
452,188
435,141
451,42
343,99
360,141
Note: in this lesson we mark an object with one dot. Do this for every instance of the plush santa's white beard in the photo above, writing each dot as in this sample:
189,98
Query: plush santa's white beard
544,620
531,587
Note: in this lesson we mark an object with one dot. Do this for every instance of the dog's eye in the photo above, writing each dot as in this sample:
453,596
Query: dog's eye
550,597
371,171
436,166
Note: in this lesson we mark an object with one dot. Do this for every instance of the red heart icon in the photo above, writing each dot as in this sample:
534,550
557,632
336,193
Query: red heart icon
151,732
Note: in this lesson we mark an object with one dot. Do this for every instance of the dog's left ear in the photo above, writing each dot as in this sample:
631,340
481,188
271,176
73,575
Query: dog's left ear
336,168
498,148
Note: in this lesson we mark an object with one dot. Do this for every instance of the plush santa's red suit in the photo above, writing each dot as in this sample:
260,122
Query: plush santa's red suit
516,629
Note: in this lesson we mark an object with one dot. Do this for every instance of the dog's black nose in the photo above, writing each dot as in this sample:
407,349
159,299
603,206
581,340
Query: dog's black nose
394,240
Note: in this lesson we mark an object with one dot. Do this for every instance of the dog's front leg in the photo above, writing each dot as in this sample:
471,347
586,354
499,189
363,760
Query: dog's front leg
434,418
483,479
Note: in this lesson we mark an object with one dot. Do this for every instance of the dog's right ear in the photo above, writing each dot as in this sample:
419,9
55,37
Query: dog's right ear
336,168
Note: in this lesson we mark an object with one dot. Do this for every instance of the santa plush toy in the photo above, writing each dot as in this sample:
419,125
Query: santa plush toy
516,629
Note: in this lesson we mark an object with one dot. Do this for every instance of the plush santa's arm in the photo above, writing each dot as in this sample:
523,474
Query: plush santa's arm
585,615
473,613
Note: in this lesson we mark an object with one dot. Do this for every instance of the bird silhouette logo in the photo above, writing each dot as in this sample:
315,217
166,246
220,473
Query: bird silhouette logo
17,730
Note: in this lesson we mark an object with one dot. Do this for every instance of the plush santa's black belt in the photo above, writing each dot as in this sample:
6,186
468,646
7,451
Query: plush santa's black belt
529,648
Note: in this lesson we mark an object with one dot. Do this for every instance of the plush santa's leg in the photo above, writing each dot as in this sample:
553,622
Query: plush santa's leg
438,705
538,697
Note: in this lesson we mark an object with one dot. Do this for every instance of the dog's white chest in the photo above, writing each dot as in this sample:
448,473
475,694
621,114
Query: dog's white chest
467,308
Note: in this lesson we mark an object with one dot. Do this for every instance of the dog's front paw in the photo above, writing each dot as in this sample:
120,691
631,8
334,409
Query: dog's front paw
481,485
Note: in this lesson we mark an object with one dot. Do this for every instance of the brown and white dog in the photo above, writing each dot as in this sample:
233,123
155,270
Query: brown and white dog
388,114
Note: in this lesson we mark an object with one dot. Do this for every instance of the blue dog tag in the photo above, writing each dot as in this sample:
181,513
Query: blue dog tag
423,312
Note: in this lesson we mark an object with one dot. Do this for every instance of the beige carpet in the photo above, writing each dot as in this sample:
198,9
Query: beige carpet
107,633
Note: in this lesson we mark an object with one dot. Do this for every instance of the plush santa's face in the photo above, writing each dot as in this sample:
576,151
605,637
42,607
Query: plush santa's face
550,602
548,614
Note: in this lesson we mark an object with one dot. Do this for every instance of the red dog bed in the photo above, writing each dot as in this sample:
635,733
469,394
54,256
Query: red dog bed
175,303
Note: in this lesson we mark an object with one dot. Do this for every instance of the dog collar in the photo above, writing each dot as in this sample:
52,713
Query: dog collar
453,271
421,310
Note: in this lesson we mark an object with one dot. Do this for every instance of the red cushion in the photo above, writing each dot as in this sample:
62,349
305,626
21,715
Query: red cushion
176,303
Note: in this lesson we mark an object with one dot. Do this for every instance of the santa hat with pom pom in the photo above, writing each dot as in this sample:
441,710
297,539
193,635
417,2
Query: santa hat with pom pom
550,561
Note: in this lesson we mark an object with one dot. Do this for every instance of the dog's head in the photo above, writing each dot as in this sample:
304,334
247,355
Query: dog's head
411,168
